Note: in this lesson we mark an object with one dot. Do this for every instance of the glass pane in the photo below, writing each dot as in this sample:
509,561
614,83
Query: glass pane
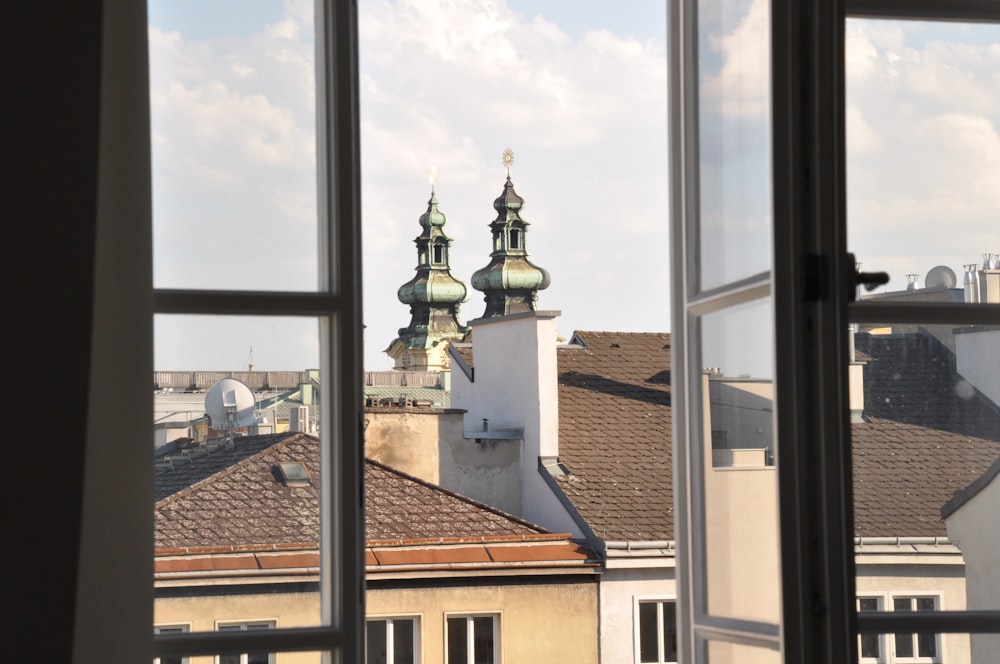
721,652
923,125
923,130
232,101
403,642
734,117
740,484
225,421
376,646
669,631
648,648
483,633
458,641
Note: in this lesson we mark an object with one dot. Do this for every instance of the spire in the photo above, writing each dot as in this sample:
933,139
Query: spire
510,281
434,296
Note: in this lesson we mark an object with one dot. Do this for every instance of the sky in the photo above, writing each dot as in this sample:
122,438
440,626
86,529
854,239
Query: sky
578,92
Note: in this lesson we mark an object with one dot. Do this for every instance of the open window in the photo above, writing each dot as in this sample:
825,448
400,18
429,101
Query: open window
765,209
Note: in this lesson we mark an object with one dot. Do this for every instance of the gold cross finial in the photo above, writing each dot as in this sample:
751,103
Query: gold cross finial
508,159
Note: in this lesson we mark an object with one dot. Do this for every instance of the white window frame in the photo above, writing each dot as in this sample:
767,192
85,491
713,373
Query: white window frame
659,600
879,606
470,634
812,281
390,620
172,628
336,304
244,626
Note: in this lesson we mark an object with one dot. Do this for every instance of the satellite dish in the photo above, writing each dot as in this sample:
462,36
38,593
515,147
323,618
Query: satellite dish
230,404
940,276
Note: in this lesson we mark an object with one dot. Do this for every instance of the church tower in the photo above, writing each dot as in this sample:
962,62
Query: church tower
510,282
434,297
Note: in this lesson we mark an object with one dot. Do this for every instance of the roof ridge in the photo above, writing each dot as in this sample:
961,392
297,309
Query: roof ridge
281,439
448,492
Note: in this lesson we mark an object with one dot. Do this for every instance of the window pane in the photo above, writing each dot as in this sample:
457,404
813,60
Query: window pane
234,398
670,631
232,102
403,642
734,115
869,642
483,633
740,486
458,641
648,649
376,645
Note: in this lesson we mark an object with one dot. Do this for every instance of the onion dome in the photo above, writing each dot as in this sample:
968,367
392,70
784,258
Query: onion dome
510,282
433,294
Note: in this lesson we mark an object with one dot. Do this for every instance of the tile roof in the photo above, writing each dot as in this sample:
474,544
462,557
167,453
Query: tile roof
235,497
928,435
922,441
615,433
912,378
905,473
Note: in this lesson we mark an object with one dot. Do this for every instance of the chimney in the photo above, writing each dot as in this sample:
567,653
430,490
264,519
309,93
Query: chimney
990,280
971,284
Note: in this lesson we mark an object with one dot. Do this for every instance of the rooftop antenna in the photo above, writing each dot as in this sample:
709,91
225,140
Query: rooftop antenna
231,405
508,159
251,358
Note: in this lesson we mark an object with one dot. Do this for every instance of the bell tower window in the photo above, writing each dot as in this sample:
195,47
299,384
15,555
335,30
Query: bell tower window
515,238
438,253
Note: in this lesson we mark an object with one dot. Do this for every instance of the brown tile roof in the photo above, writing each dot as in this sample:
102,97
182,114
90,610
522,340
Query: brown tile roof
235,498
905,473
927,436
912,378
614,433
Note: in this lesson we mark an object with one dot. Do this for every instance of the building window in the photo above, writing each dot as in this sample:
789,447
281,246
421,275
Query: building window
473,639
919,647
899,647
170,629
438,253
247,657
656,631
392,641
515,238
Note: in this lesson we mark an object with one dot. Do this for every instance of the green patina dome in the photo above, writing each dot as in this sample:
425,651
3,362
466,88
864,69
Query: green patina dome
510,282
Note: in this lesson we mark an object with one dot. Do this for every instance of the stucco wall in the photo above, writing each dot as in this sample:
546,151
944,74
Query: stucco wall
202,614
515,387
549,622
923,577
972,528
411,440
620,590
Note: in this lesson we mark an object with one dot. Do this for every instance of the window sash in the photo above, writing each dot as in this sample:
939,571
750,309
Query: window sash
938,622
337,304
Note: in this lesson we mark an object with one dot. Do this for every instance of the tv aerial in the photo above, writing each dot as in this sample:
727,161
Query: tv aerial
231,405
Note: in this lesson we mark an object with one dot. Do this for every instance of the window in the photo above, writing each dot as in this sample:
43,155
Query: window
438,253
870,645
392,641
515,238
917,647
251,657
899,647
170,629
656,631
324,299
472,639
